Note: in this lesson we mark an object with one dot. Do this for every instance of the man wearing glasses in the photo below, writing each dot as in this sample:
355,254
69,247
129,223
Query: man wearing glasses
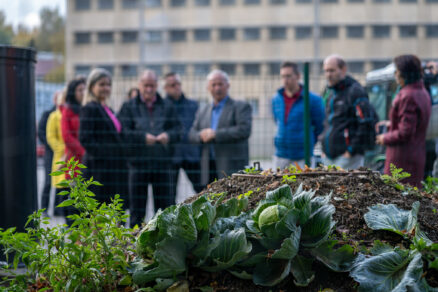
185,155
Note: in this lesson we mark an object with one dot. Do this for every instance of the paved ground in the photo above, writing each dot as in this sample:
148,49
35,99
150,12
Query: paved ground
184,190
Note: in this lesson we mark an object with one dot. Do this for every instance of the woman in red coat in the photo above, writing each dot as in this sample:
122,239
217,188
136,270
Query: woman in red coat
405,140
70,119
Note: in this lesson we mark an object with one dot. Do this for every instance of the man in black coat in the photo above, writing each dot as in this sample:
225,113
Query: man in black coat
48,156
150,124
185,154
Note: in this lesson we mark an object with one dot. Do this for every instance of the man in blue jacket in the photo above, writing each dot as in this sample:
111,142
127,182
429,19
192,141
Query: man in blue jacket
185,155
288,113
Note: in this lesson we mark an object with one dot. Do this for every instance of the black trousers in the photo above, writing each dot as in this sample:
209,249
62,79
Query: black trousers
193,171
139,178
45,194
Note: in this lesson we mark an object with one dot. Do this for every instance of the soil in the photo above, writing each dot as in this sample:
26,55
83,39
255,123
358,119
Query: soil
353,193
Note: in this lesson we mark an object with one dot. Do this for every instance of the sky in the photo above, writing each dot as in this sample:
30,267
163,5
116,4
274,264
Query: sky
27,11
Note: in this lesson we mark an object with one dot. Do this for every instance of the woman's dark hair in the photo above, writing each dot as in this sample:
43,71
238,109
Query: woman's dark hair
133,89
409,67
71,89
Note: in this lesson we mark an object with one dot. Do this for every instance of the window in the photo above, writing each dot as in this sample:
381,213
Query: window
158,69
201,69
153,3
277,2
408,1
153,36
202,2
82,70
329,32
355,31
82,38
202,34
381,31
81,5
177,3
432,31
106,37
129,36
106,4
251,69
109,68
178,68
129,71
274,68
130,4
277,33
177,35
379,64
356,67
227,2
251,34
382,1
408,31
356,1
303,1
229,68
227,34
329,1
252,2
303,32
431,1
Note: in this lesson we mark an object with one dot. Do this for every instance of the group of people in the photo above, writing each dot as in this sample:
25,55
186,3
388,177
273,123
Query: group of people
152,137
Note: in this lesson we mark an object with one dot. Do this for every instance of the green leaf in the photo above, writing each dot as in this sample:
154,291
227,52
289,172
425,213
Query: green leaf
169,259
301,269
395,271
289,247
125,280
232,207
318,228
232,247
63,193
57,173
339,260
391,218
178,224
203,213
163,284
271,272
241,274
283,193
380,247
66,203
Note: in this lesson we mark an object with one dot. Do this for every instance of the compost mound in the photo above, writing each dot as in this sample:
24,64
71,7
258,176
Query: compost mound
352,193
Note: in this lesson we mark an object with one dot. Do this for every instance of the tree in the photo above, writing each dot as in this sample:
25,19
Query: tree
6,31
51,32
25,37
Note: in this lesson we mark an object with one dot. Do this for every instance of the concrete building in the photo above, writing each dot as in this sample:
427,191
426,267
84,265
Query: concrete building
246,38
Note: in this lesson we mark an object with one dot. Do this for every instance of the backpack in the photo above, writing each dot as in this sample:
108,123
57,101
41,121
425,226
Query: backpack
367,118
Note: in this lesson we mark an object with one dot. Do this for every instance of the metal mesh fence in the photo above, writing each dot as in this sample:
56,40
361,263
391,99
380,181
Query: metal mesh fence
160,170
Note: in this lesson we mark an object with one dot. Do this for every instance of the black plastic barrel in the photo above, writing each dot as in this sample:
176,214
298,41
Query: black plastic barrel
18,182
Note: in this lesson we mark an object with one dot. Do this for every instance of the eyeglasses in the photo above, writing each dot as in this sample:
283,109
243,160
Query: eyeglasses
175,84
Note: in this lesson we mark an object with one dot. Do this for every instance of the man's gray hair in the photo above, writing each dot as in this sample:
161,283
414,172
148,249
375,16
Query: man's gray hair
149,73
215,72
339,60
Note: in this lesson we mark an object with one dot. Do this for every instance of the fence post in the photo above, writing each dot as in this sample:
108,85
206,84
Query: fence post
18,183
306,115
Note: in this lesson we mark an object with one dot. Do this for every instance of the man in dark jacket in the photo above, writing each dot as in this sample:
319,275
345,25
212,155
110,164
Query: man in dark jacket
48,156
150,125
350,118
185,155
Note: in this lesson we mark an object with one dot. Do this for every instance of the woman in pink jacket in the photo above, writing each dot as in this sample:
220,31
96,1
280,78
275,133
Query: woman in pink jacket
409,116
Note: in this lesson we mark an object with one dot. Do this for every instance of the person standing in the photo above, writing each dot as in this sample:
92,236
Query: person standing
56,143
288,113
349,128
70,119
100,133
409,116
185,155
48,154
223,128
150,126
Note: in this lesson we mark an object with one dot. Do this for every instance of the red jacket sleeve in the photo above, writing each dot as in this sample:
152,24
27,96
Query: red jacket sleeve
406,124
70,131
